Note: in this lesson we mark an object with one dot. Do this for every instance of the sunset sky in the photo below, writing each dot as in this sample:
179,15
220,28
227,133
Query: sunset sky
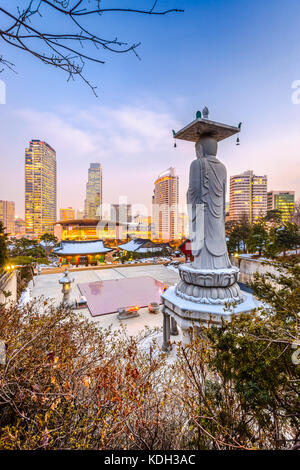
239,58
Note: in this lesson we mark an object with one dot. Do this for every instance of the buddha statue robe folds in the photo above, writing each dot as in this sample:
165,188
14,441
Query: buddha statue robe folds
206,207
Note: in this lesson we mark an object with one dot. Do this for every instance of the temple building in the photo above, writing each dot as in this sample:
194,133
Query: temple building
142,246
90,229
82,253
186,249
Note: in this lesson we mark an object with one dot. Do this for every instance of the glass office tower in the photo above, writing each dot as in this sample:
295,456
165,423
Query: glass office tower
93,200
283,201
40,188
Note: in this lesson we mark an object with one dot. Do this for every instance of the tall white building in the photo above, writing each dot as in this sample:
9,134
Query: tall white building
93,201
248,196
165,206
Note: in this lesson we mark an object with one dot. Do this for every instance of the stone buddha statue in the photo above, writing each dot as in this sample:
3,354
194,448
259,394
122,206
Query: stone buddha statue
208,286
206,207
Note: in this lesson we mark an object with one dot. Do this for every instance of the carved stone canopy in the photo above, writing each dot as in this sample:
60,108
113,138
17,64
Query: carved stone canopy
201,127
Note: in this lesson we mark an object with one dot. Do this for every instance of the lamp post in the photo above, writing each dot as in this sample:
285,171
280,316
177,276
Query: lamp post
9,268
66,282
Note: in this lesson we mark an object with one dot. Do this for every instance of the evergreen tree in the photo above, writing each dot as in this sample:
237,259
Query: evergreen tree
274,216
257,239
287,237
49,238
239,234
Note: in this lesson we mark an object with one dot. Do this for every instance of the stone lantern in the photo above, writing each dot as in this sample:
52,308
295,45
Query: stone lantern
66,282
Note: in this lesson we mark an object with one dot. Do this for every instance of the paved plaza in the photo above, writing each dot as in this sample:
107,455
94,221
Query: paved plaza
47,285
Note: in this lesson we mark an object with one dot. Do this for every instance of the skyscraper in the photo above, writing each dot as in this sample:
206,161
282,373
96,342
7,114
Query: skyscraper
165,206
40,188
93,201
66,213
248,196
283,201
7,216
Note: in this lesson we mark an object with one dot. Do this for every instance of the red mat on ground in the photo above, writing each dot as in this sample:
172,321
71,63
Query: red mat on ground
105,297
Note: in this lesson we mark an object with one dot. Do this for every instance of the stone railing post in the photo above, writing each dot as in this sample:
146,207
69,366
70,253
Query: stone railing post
166,346
174,329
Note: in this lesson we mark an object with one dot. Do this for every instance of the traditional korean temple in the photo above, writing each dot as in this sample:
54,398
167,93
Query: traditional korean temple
141,245
186,249
90,229
82,252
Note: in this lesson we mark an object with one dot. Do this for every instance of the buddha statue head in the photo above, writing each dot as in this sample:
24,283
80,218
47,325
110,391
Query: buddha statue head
206,145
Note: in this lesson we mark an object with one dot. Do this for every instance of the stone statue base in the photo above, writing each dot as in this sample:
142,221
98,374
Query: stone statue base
203,297
209,286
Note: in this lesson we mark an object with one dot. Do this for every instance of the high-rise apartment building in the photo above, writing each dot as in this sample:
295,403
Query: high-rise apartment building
283,201
7,216
248,196
165,206
93,200
67,213
40,188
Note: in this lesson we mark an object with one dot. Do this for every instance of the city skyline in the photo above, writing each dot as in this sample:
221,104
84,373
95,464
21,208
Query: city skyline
234,184
253,183
130,124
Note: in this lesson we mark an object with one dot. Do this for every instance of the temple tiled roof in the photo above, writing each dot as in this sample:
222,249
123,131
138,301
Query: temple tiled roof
140,245
69,248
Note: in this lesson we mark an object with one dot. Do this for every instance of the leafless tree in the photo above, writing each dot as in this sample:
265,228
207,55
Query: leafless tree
24,28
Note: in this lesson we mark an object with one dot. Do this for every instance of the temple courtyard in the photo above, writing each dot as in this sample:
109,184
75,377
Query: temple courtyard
47,285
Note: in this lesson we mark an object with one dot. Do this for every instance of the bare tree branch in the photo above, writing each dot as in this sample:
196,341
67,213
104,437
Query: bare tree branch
64,50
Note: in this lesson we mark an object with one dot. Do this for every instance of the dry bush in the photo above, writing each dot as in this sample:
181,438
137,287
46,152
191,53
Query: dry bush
67,384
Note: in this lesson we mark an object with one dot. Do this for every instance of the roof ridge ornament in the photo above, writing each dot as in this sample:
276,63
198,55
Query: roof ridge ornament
205,112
